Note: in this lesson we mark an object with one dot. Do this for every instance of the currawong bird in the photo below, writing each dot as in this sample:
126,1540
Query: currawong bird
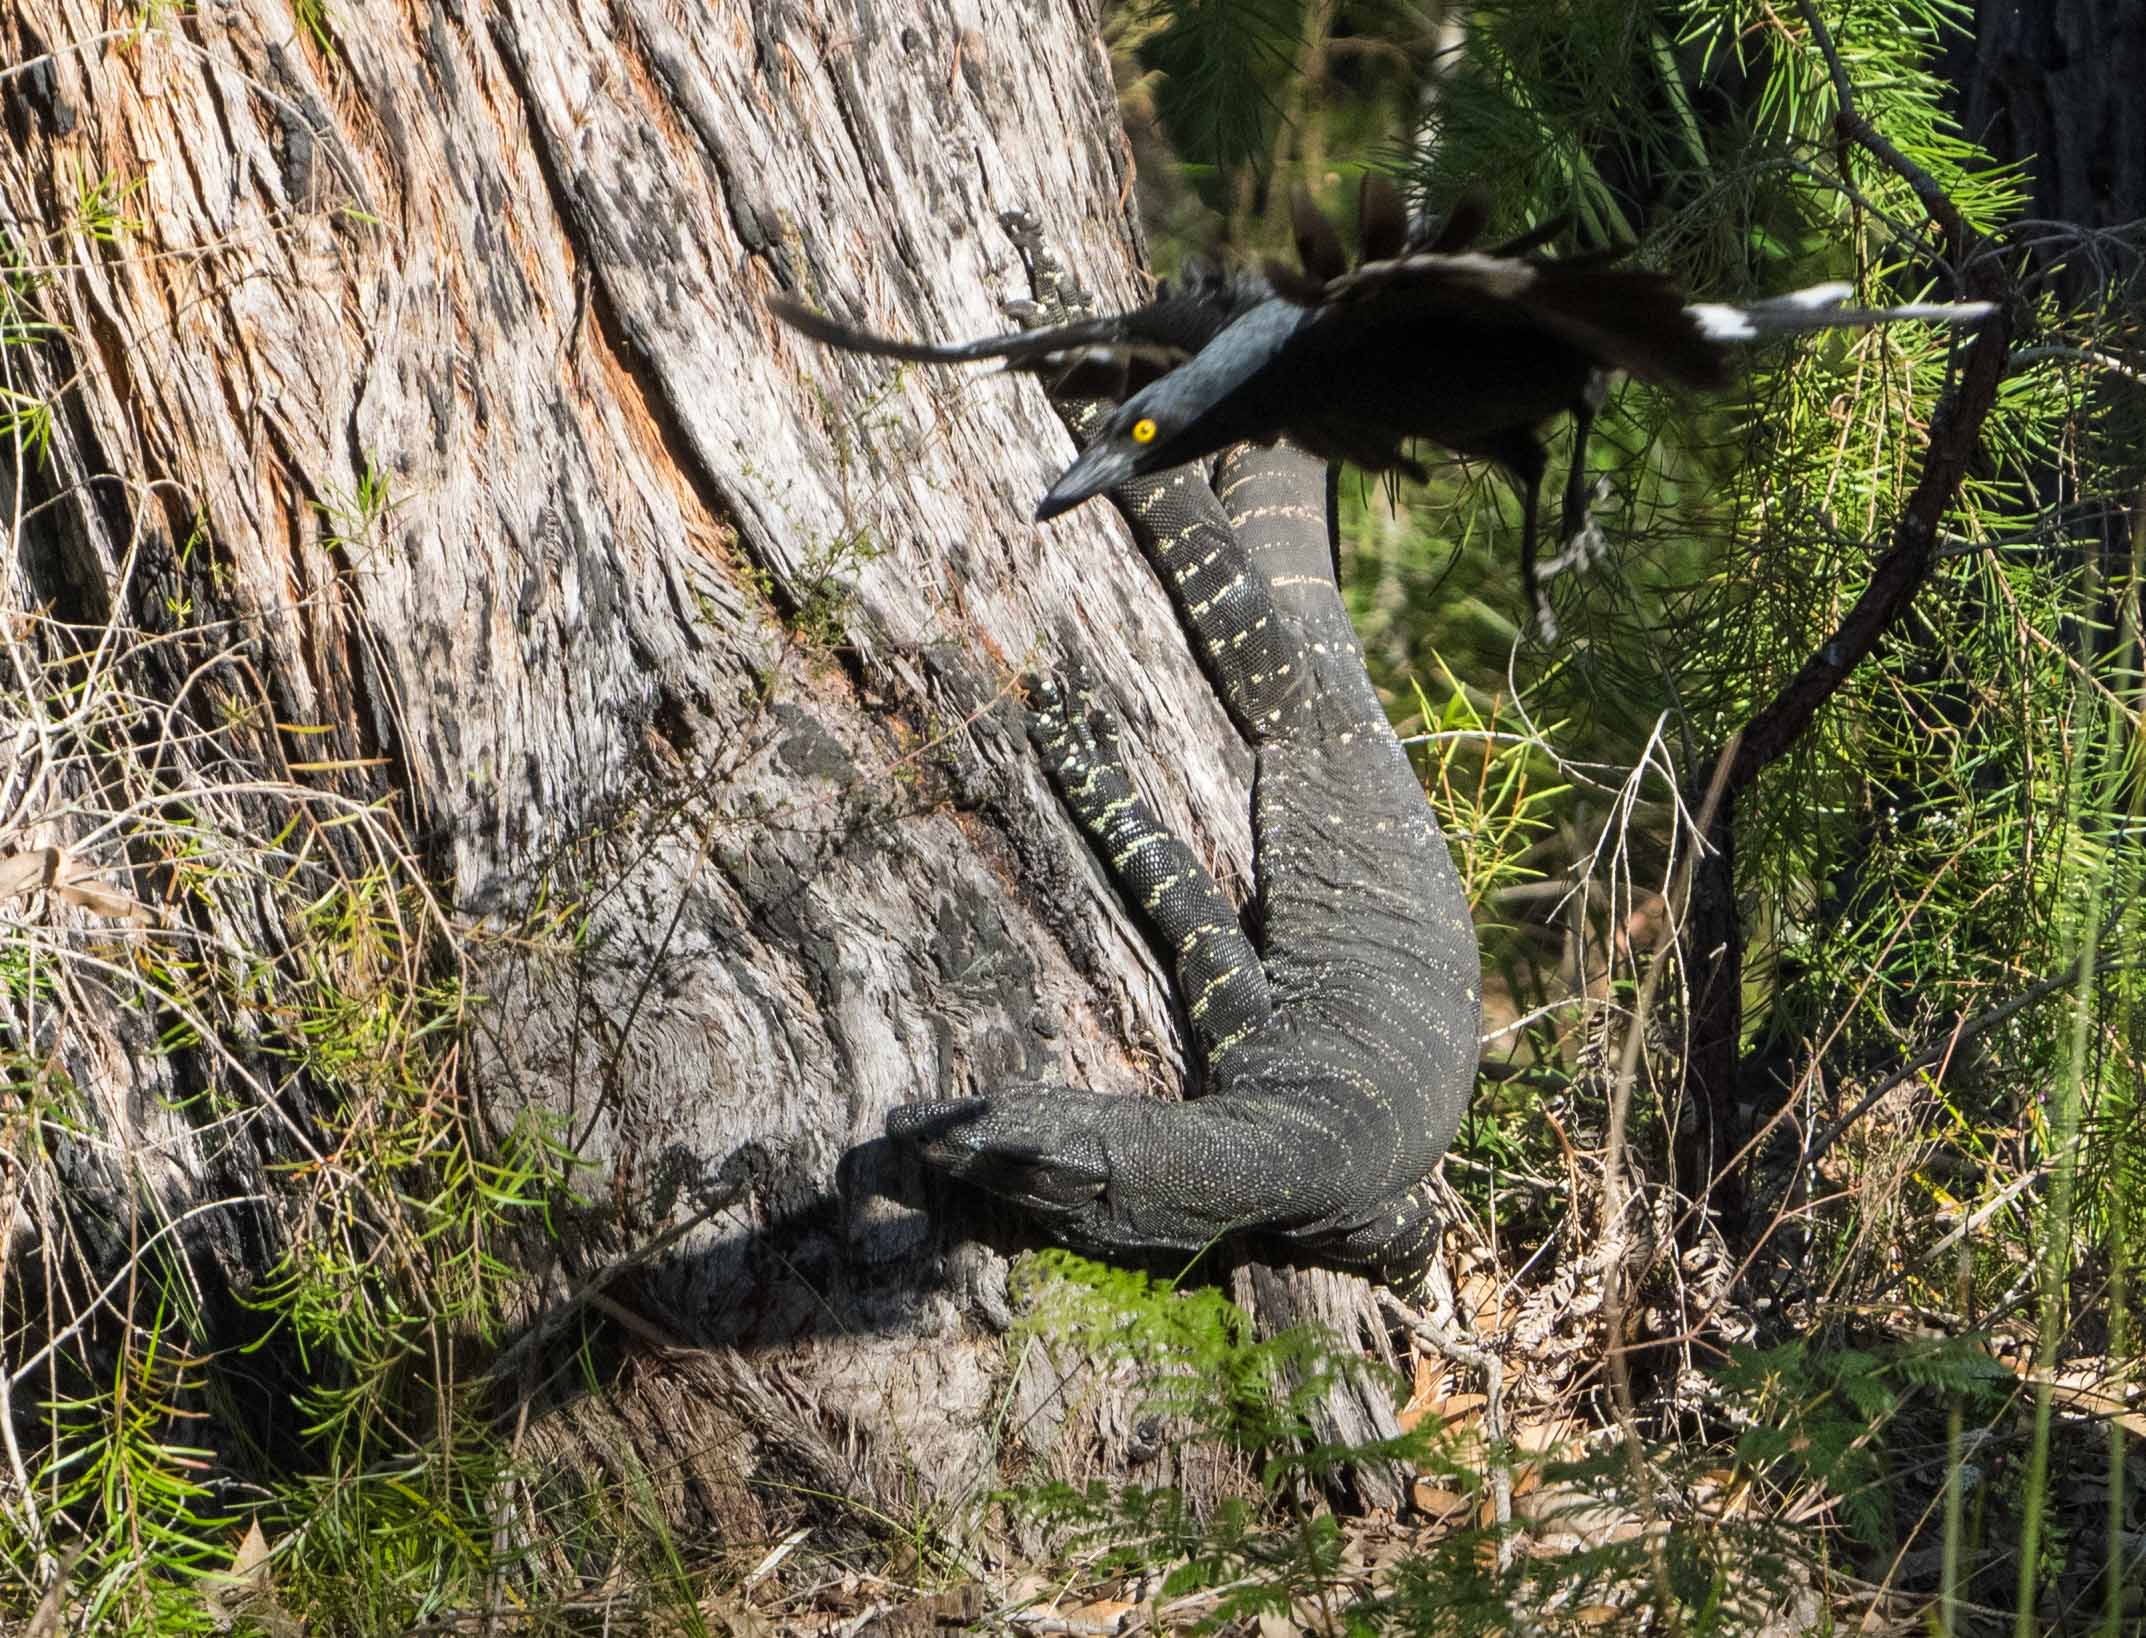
1473,350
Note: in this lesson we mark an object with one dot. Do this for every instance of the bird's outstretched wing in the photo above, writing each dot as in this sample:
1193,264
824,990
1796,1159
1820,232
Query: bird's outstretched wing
1106,356
1630,319
1424,338
1021,349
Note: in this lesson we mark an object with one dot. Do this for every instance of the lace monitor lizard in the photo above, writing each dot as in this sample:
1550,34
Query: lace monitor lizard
1341,1048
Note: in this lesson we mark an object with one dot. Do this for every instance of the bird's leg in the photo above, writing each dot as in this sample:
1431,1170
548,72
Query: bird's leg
1531,576
1592,397
1581,538
1524,460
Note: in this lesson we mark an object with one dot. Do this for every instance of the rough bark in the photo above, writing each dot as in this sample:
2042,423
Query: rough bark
2056,85
673,621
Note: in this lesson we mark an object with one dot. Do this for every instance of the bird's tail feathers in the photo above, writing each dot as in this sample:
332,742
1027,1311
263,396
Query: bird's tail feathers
1820,307
1637,321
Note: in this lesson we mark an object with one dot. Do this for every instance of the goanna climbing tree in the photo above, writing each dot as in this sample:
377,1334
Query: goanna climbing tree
1340,1050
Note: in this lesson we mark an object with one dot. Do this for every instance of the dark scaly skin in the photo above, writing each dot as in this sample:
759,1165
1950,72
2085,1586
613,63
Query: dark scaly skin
1361,905
1219,975
1341,1052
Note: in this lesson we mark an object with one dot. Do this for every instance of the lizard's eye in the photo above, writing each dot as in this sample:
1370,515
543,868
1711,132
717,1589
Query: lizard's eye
1144,430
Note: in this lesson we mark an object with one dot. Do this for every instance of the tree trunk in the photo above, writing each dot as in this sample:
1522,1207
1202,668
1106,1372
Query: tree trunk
2054,88
2055,84
434,364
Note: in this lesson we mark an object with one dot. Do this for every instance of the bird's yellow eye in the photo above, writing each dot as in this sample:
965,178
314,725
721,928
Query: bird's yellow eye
1144,431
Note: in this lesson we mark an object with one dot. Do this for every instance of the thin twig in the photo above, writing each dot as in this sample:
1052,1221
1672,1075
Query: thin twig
1937,1050
61,1338
1452,1345
1852,125
2080,355
1988,1209
587,1292
1614,1305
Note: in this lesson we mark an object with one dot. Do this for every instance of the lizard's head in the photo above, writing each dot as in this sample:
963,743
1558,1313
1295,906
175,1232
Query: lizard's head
1021,1144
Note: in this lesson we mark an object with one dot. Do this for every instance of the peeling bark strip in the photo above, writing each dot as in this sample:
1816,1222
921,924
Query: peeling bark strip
443,345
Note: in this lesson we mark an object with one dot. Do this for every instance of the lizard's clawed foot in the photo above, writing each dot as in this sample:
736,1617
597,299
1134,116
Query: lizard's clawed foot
1025,229
1585,542
1035,1146
1070,728
1584,545
1397,1245
1058,298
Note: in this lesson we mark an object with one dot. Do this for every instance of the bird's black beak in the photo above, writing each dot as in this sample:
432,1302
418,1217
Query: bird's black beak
1100,467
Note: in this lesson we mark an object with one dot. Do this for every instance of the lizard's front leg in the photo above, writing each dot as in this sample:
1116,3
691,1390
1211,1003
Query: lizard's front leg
1219,975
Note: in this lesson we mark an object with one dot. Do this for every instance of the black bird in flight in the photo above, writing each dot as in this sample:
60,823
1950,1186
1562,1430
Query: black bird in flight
1423,338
